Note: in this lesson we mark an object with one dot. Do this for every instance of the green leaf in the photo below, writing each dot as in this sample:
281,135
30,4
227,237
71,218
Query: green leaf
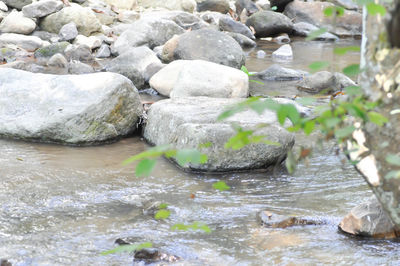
315,66
328,11
375,9
291,162
393,159
352,70
145,167
288,111
305,100
309,127
332,122
154,152
240,140
353,90
205,145
315,34
127,248
245,70
194,226
392,174
185,156
162,214
256,81
221,186
344,132
377,118
274,8
162,206
344,50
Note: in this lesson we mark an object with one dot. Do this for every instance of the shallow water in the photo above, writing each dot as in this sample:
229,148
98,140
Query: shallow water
64,205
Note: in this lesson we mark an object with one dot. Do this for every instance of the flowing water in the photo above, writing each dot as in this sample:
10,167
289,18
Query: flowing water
65,205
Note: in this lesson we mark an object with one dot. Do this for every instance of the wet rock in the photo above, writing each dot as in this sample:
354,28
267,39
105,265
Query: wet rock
83,17
42,8
269,23
185,78
228,24
182,5
273,220
59,61
153,255
92,42
78,68
18,4
221,6
4,262
187,122
350,24
320,82
280,4
247,5
16,22
209,45
29,43
261,54
104,51
284,53
147,31
370,220
304,28
78,52
50,50
73,109
68,32
133,64
242,40
279,73
282,38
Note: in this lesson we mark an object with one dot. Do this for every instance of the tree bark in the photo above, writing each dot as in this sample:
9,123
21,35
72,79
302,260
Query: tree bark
380,81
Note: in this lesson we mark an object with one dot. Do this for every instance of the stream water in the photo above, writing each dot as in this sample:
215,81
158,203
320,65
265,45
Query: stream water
65,205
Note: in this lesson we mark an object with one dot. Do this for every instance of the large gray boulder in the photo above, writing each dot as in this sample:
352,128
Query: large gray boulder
206,44
350,24
150,31
42,8
269,23
279,73
29,43
185,78
67,109
228,24
133,64
221,6
370,220
16,22
83,17
185,123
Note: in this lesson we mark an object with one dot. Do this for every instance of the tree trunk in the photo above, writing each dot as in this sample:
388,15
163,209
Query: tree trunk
380,59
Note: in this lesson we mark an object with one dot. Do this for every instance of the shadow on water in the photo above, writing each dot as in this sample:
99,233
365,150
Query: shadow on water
64,205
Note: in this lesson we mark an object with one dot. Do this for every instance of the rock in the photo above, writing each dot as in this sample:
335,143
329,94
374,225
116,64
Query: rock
78,52
320,82
273,220
133,64
73,109
261,54
282,38
150,71
185,78
42,8
128,16
280,4
59,61
182,5
228,24
92,42
50,50
343,81
283,53
150,32
350,24
184,20
5,262
3,6
122,4
247,5
347,4
83,17
242,40
46,36
185,123
18,4
16,22
78,68
279,73
68,32
104,51
212,17
304,28
370,220
29,43
269,23
152,255
221,6
209,45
